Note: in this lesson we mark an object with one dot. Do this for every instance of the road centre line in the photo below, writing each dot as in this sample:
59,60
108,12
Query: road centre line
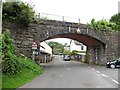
106,76
115,81
97,71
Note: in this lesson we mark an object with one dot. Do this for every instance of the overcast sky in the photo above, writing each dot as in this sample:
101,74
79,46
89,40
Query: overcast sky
83,9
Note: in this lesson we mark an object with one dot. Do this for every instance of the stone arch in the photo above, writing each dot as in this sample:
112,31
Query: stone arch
89,41
104,41
69,32
85,35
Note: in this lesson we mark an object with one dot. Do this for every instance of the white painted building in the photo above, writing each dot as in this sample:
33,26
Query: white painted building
75,45
45,48
81,48
45,52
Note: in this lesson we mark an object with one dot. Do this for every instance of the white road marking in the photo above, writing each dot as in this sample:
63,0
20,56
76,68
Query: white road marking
104,75
115,81
97,71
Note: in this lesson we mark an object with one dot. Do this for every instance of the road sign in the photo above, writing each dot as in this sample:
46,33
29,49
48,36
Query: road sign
35,52
34,45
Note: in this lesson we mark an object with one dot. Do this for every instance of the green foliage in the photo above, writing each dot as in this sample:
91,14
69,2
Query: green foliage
57,47
74,52
86,58
11,63
96,63
17,80
27,63
17,12
66,52
116,19
103,25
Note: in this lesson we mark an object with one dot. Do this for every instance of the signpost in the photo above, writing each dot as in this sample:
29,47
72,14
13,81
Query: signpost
34,48
34,45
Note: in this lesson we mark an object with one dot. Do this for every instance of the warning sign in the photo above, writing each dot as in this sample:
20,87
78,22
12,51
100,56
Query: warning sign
34,45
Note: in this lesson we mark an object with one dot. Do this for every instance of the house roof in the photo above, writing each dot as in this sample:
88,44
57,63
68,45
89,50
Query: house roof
43,52
77,43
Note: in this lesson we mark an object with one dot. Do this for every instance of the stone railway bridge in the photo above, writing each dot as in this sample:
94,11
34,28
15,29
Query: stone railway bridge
101,45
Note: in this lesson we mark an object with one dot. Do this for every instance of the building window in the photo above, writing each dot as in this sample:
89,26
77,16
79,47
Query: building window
82,47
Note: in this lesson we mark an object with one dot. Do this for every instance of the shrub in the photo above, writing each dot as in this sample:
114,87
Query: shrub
17,12
11,63
103,25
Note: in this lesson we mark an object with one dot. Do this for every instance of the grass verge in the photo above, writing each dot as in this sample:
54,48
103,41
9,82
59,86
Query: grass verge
17,80
28,73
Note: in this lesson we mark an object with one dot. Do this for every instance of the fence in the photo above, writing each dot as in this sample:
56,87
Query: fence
57,17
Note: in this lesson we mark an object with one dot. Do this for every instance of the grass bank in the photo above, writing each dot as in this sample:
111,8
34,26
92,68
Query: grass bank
17,80
17,69
28,73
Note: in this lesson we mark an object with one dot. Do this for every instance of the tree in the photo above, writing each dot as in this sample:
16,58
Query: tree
116,19
17,12
66,52
103,24
57,47
74,52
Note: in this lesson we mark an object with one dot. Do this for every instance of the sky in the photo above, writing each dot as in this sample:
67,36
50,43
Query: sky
85,10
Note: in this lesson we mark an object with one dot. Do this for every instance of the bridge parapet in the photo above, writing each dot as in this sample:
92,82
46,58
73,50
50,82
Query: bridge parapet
47,28
57,17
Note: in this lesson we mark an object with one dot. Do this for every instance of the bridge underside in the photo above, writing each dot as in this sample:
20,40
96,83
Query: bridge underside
95,49
88,41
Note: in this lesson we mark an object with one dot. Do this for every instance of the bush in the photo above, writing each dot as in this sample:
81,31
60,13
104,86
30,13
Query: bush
17,12
86,59
103,25
11,63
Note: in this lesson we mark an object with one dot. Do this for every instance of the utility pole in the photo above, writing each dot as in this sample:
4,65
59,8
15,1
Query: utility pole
119,7
1,6
0,43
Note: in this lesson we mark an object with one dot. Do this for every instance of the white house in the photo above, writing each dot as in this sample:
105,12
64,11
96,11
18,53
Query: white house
45,47
67,48
75,45
45,52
